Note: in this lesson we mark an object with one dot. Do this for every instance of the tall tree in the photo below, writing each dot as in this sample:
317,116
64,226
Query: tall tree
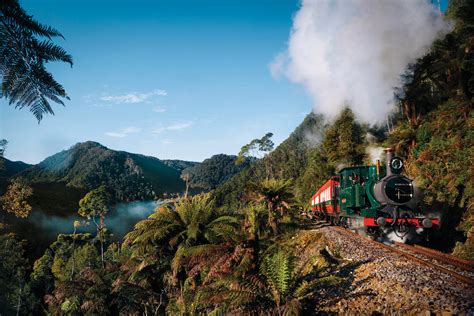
93,205
258,148
15,200
3,146
344,141
26,46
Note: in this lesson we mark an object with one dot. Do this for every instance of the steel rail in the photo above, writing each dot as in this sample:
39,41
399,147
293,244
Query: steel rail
425,263
440,256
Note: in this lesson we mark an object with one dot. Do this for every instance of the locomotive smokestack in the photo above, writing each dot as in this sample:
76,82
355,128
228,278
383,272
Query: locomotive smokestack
389,153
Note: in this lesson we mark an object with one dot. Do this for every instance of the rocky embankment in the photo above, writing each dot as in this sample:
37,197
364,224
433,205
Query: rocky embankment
379,281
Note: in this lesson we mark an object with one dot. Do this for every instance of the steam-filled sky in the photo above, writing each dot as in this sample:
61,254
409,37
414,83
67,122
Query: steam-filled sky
186,79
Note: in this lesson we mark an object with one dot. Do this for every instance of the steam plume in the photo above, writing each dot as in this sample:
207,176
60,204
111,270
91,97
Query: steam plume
353,52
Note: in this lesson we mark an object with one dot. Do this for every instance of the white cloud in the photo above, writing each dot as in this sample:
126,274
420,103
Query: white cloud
167,141
355,51
124,132
179,126
173,127
133,97
159,109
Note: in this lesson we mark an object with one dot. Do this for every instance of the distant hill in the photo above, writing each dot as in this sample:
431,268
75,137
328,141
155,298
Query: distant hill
180,165
87,165
10,168
214,171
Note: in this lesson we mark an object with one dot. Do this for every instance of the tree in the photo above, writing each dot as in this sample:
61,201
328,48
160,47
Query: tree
317,171
25,47
14,289
193,221
185,177
258,148
15,200
3,146
275,195
343,140
93,205
76,225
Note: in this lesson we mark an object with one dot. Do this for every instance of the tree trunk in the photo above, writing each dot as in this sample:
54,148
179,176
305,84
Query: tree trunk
73,250
187,188
102,238
19,302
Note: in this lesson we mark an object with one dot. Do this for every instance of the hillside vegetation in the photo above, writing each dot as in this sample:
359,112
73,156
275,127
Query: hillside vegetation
433,132
87,165
214,171
241,249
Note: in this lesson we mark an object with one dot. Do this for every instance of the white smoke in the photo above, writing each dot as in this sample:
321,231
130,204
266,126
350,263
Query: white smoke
374,153
353,52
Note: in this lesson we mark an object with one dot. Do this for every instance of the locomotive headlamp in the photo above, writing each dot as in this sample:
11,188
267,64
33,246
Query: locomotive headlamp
396,164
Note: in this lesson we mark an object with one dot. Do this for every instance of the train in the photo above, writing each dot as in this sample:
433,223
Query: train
374,200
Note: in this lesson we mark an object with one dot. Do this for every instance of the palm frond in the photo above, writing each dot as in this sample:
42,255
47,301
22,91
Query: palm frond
25,81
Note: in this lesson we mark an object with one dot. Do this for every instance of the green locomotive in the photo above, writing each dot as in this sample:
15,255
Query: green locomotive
375,199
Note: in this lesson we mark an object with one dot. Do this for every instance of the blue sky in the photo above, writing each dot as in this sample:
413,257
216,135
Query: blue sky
181,79
174,79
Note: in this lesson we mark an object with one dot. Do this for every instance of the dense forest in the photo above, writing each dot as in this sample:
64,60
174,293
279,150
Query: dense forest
240,249
213,171
88,165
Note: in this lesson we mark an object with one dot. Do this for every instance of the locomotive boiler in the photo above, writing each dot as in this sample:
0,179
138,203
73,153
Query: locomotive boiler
375,199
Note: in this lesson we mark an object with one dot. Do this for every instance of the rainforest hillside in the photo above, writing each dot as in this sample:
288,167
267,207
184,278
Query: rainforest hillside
9,169
432,130
243,248
87,165
214,171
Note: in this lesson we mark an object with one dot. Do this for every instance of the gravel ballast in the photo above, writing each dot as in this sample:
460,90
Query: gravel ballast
377,280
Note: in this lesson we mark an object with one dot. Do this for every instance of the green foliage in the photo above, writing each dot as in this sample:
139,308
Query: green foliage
193,221
317,172
287,161
282,286
466,250
343,141
436,136
25,47
443,150
10,168
3,146
180,165
95,203
276,197
308,157
214,171
88,165
14,290
16,199
256,148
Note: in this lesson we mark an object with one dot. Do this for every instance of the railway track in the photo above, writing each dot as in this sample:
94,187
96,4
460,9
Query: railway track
461,264
425,256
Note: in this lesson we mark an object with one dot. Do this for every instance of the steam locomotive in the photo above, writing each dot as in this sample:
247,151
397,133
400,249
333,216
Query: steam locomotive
375,200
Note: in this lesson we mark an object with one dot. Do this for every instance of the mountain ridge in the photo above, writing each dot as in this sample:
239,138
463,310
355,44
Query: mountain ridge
87,165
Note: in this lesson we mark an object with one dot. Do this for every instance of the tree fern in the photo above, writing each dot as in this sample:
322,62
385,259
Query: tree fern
25,82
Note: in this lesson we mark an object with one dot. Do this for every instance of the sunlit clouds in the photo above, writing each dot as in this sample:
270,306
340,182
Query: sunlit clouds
133,97
124,132
173,127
